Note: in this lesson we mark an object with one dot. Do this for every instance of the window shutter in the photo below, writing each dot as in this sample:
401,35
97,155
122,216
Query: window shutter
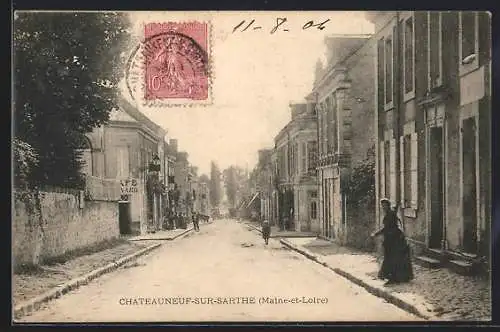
414,170
402,170
382,169
392,172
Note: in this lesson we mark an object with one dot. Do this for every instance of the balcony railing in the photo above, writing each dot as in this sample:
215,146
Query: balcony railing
343,160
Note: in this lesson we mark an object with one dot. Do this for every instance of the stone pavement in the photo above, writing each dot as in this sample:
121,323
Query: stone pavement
438,294
225,272
276,233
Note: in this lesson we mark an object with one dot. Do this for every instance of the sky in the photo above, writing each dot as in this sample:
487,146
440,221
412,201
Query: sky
256,75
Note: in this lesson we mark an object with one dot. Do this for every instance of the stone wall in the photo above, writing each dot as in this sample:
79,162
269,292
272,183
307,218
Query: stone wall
47,224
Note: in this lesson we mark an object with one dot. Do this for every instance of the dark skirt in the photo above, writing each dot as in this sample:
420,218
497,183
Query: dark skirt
266,232
397,258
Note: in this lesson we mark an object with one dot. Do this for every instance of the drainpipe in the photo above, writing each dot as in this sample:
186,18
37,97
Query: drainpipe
319,179
397,103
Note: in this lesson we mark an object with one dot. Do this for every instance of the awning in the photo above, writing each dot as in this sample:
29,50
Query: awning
253,199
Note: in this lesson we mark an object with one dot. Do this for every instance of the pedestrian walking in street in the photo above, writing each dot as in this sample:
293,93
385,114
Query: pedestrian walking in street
266,231
196,220
396,266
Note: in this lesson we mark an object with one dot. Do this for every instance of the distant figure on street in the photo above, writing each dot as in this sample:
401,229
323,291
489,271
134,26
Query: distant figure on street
396,267
178,220
196,222
266,231
183,221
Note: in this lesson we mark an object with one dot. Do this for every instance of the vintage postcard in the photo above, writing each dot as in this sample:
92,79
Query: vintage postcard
218,166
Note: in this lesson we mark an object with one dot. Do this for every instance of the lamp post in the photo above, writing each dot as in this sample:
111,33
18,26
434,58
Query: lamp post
154,172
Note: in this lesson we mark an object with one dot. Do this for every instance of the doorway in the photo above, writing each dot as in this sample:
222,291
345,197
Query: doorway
125,218
436,186
469,185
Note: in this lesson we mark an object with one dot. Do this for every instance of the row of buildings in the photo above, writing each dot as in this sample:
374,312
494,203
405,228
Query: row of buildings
156,179
410,106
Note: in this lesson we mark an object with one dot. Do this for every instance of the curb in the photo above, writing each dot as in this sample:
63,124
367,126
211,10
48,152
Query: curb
34,304
255,228
377,291
164,238
171,238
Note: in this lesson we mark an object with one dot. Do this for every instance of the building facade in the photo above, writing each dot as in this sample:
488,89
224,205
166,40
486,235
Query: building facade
433,106
183,178
123,149
168,167
264,185
296,153
204,199
343,96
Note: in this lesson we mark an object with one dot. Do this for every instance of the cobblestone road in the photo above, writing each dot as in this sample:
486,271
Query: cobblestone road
225,259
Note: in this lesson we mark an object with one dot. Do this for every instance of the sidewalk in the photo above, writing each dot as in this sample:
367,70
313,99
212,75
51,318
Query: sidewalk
34,281
35,285
434,294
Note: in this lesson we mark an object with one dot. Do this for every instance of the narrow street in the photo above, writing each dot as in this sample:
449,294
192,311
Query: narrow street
224,259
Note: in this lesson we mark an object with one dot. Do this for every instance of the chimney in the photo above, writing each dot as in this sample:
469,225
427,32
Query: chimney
173,145
297,109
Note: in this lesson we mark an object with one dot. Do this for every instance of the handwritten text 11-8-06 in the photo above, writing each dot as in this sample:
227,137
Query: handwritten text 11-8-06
281,24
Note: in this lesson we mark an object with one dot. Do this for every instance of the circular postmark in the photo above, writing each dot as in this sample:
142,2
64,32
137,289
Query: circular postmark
170,67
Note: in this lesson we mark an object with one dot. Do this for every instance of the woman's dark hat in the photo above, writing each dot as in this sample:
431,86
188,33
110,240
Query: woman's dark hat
385,200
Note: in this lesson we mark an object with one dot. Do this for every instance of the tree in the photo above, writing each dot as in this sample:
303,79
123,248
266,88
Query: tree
67,68
236,184
204,179
215,190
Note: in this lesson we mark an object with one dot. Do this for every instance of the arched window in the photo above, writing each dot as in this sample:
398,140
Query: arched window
86,157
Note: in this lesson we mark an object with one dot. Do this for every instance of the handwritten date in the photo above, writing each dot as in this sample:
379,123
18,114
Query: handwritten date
281,24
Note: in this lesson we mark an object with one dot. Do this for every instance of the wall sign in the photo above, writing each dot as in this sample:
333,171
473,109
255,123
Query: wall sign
129,186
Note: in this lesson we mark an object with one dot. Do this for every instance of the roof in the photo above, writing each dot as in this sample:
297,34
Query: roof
140,117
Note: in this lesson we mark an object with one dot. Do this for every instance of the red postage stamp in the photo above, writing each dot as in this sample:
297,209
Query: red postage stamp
174,62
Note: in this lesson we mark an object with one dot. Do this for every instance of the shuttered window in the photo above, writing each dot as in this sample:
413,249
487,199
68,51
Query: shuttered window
409,170
414,170
303,157
393,173
409,55
382,169
388,69
402,169
122,169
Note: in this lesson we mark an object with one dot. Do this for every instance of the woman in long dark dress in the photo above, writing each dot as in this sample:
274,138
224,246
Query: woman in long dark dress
396,267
